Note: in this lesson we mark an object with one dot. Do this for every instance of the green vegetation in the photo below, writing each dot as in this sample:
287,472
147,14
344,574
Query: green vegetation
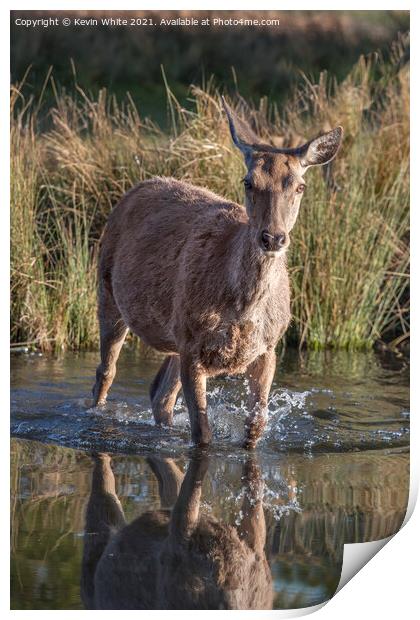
349,256
267,60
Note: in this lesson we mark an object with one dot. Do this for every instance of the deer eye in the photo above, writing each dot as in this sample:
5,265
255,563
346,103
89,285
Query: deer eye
300,189
247,184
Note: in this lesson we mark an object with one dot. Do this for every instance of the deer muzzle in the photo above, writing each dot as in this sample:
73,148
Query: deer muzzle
272,242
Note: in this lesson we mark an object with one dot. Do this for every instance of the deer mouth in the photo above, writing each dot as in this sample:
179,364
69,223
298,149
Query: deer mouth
274,253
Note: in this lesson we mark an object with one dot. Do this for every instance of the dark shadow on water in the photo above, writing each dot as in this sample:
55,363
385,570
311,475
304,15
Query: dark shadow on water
179,556
283,522
333,468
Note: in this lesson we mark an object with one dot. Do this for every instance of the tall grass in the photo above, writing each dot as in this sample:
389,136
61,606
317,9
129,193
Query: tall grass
29,289
349,257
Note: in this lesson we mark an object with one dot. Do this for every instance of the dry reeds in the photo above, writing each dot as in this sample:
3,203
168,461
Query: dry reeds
349,257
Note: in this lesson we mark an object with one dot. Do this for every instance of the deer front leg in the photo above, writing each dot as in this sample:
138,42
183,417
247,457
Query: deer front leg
260,375
193,381
164,390
185,514
252,527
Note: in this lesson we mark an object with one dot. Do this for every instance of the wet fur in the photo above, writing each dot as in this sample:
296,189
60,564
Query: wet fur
163,252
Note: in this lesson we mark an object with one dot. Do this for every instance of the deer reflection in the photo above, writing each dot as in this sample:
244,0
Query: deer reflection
179,559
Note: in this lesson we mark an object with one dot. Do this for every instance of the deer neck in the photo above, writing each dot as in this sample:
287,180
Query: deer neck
253,276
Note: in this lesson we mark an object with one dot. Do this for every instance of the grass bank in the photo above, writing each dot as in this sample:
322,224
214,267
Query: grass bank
349,257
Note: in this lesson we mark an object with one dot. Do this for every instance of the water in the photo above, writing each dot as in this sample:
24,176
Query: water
332,468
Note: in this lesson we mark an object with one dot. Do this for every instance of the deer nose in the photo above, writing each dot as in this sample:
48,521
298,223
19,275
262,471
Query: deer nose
272,243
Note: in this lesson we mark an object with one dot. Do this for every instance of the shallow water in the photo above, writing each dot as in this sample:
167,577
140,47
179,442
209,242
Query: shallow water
332,468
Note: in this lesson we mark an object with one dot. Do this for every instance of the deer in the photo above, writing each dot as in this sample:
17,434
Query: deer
174,557
204,280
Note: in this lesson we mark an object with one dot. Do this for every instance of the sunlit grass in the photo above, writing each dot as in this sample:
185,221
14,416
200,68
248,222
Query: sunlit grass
349,256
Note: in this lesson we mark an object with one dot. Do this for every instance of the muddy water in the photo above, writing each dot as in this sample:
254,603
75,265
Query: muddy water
332,469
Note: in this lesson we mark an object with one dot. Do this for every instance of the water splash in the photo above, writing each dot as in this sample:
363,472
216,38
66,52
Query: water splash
330,414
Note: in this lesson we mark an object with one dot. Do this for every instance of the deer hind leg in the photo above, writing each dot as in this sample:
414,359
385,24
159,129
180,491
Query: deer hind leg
112,335
194,387
164,390
169,477
260,374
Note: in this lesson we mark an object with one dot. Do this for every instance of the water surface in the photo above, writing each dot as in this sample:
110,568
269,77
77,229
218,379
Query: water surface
332,469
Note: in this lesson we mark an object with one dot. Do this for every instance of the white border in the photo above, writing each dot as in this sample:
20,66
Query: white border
388,584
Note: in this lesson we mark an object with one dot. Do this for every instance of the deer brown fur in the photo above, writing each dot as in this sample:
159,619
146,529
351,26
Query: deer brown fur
204,279
175,559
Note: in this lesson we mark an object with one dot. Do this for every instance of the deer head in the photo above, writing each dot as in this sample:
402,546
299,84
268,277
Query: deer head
274,183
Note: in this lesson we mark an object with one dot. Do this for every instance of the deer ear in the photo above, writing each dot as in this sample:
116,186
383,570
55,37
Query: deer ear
321,150
242,135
